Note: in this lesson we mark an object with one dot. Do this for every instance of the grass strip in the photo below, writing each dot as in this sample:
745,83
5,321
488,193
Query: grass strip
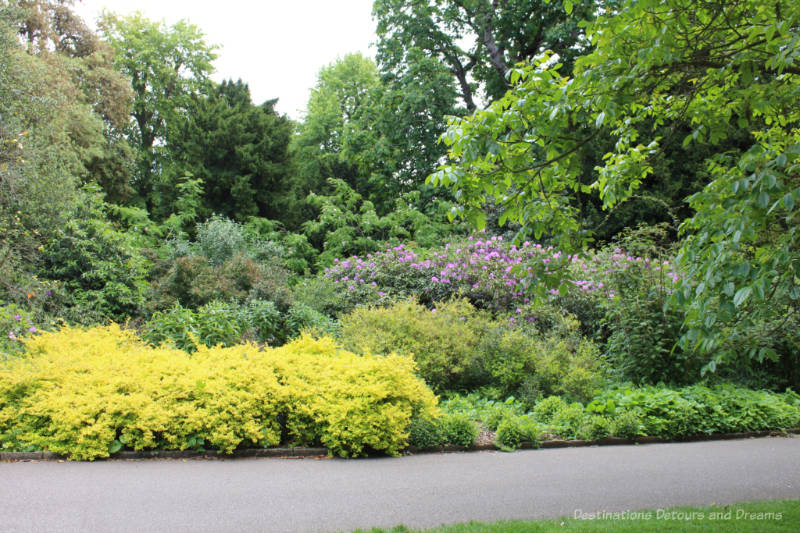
755,517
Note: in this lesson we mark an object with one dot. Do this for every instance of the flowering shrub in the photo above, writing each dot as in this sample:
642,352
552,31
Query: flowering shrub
490,272
15,325
90,393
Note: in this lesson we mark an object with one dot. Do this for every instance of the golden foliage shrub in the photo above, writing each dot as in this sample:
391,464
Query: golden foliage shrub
88,393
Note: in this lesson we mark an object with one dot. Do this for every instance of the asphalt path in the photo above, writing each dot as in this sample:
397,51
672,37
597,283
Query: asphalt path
308,495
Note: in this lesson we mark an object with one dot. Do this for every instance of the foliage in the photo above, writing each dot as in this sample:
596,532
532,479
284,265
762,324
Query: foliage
349,224
697,410
89,393
488,412
55,102
15,324
458,430
442,341
99,262
514,430
476,42
223,263
238,150
341,90
424,433
165,65
460,348
720,68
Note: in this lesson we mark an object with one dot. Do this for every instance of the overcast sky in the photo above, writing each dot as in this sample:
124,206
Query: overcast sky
277,47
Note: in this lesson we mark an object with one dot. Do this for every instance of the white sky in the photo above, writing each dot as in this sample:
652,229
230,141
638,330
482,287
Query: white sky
276,47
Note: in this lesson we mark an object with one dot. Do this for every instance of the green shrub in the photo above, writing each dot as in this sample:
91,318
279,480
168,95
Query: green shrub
512,431
568,420
218,239
264,321
459,348
424,433
595,427
15,325
626,425
220,323
529,365
488,412
443,341
175,327
545,410
458,430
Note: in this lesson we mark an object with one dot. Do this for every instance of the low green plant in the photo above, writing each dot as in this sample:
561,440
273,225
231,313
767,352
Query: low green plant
424,433
595,427
513,431
15,324
458,429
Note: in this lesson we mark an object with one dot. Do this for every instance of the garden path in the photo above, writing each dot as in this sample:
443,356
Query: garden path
281,495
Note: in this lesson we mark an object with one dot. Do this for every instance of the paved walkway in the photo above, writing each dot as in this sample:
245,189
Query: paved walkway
285,495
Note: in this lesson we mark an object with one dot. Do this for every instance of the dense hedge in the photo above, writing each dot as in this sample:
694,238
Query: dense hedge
89,393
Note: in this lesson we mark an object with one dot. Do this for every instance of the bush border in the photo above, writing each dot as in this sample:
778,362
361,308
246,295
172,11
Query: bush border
316,452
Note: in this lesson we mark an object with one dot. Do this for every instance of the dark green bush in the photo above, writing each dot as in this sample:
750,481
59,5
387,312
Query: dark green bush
626,425
458,430
567,421
595,427
424,433
545,410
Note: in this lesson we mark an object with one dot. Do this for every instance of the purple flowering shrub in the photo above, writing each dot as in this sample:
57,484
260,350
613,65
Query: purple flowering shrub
490,272
15,324
618,297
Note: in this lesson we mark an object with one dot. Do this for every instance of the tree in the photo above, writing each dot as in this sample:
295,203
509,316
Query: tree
58,97
723,68
238,150
392,140
342,89
166,65
477,41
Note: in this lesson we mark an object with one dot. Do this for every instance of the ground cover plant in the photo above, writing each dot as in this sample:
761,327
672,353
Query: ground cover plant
89,393
631,412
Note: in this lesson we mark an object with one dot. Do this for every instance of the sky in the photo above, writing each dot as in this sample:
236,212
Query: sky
276,47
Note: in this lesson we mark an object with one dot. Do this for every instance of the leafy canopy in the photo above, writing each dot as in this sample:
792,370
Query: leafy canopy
721,67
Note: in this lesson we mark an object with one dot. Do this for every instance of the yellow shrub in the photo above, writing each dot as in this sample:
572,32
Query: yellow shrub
86,393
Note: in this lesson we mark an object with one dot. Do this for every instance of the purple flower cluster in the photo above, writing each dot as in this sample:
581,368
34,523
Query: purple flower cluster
489,271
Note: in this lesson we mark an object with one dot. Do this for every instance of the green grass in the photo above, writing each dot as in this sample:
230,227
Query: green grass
755,517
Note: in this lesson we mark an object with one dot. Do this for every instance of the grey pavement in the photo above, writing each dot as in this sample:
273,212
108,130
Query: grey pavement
307,495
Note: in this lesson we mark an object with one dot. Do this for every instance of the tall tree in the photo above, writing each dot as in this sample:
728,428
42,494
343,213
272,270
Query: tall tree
343,88
56,104
722,68
477,41
166,65
238,150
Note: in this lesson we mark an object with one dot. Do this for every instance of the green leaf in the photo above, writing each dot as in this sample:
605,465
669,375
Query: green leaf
114,446
568,6
600,118
741,296
788,201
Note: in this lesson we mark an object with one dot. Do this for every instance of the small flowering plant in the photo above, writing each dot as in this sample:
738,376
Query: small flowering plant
15,325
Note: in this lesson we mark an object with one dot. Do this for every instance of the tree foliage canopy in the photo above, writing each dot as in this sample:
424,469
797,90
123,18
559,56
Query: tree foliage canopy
721,67
165,65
